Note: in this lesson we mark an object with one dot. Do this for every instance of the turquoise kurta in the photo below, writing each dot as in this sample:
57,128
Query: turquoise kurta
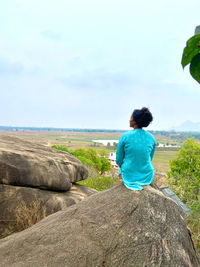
135,152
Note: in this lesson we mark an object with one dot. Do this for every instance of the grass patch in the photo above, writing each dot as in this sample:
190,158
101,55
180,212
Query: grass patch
100,182
161,160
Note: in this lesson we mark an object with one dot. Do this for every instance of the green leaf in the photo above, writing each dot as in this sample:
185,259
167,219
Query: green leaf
197,30
195,68
191,50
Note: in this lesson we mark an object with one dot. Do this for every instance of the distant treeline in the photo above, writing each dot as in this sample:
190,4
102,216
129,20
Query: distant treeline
179,136
12,128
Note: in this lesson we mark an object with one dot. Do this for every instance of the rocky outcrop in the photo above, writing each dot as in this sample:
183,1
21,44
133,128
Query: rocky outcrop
116,227
21,207
25,169
24,163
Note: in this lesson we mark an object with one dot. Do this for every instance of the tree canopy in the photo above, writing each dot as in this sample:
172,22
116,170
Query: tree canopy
184,179
89,157
184,174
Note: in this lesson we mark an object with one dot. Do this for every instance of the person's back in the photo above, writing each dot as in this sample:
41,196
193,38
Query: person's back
134,156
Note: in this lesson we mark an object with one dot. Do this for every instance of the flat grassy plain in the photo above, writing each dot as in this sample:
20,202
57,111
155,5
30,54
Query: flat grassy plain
161,160
71,139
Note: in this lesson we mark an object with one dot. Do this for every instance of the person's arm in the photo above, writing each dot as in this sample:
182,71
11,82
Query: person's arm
120,151
153,151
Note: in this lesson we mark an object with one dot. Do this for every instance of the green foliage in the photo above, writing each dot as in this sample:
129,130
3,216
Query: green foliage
105,165
191,55
100,182
62,148
191,50
89,157
89,154
184,178
184,174
103,152
195,67
108,144
85,161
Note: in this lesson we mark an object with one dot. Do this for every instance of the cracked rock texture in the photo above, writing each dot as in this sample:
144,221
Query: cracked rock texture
116,227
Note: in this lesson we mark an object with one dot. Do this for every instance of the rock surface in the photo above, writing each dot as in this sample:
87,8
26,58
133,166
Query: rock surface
20,207
24,163
115,228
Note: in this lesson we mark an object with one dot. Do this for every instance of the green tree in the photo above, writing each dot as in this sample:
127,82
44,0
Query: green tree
108,144
184,179
184,174
191,55
93,156
89,157
105,165
103,152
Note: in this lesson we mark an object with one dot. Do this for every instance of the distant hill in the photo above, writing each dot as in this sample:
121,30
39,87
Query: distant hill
187,126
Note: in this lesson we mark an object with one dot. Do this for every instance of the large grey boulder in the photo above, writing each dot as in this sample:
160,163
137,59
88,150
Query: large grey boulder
115,228
25,163
21,207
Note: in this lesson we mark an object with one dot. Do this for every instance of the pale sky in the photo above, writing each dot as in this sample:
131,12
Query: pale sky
90,63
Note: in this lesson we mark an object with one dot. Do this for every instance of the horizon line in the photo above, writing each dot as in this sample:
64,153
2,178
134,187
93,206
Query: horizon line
34,128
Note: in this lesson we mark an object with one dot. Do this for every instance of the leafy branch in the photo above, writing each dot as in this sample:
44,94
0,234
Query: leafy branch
191,55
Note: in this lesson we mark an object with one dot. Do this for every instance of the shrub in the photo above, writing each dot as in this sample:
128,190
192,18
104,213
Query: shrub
62,148
184,174
184,179
89,157
100,182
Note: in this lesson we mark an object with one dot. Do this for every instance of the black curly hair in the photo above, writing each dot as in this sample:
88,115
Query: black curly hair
142,117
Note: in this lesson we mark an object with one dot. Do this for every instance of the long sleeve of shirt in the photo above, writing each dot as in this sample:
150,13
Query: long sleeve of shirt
120,152
134,156
153,151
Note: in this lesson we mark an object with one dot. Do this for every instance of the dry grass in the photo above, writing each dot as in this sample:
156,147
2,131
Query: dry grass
26,216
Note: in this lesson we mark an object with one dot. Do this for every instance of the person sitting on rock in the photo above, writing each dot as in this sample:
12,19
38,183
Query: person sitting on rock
135,152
